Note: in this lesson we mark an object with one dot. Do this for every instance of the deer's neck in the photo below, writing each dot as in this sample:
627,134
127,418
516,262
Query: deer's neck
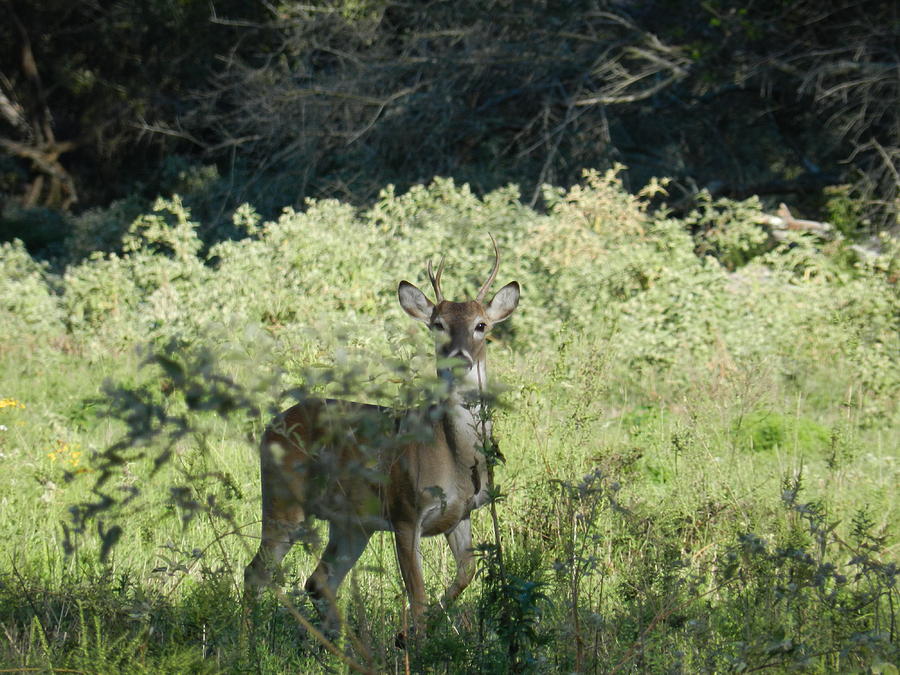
466,425
475,381
465,403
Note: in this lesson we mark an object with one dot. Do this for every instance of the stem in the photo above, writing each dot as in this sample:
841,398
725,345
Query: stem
319,636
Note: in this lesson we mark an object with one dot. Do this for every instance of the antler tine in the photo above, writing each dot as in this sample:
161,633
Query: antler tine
436,281
487,284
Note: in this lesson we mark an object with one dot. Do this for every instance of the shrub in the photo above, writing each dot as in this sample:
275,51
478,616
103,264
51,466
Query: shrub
28,304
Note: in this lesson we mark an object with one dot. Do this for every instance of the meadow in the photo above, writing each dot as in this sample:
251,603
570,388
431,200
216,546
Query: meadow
699,423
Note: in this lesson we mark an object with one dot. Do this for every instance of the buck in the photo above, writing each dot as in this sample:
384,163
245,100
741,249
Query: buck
365,468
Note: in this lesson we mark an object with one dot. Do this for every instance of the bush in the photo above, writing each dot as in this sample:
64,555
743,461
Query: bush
28,304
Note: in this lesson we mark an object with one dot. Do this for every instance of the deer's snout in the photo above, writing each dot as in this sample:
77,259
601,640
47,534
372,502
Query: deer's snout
464,356
463,360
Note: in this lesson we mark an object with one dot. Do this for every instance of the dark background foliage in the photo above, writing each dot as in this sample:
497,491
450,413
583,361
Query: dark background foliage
111,103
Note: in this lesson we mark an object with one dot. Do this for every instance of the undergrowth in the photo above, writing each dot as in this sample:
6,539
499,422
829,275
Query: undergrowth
698,425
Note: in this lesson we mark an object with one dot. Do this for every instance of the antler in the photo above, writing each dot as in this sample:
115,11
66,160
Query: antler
436,281
487,284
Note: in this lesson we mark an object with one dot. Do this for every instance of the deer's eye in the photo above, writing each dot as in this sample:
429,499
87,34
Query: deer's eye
481,327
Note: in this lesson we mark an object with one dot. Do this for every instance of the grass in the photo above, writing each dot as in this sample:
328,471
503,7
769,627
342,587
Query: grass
700,471
626,569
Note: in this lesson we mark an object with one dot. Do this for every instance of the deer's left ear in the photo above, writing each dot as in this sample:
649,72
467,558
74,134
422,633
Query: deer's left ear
414,302
503,303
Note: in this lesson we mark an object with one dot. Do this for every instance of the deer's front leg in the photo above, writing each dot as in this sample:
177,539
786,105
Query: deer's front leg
406,538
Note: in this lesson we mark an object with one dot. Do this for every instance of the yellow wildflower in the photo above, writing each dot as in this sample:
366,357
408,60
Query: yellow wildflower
66,453
11,403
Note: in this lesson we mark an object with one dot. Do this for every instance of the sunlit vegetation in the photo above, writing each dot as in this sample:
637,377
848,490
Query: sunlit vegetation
699,424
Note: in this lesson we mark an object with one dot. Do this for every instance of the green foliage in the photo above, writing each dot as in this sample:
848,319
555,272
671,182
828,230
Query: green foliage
728,230
843,210
765,430
28,304
659,380
101,229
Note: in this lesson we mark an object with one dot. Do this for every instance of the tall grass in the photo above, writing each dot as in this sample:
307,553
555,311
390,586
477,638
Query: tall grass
699,428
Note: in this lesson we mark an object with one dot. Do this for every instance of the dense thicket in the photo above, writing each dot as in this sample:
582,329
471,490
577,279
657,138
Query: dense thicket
273,102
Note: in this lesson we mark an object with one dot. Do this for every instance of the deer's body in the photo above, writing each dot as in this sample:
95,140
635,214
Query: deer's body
364,468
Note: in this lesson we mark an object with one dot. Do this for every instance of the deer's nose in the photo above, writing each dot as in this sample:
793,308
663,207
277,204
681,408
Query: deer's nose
462,354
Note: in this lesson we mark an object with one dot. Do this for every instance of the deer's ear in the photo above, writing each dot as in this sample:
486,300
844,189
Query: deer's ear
503,303
414,302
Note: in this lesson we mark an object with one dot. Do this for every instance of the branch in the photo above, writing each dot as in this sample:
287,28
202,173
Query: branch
44,155
45,158
785,221
630,98
633,64
12,110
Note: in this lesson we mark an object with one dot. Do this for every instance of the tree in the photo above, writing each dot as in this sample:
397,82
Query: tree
89,90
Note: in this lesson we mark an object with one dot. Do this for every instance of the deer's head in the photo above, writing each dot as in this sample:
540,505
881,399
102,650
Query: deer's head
460,328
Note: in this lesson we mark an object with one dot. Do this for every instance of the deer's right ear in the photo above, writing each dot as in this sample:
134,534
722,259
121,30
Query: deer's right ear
414,302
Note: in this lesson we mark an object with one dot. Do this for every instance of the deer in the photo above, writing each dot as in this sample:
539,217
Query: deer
364,468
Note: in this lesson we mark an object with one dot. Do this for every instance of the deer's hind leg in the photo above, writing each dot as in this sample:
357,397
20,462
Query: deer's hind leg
283,487
345,545
281,528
